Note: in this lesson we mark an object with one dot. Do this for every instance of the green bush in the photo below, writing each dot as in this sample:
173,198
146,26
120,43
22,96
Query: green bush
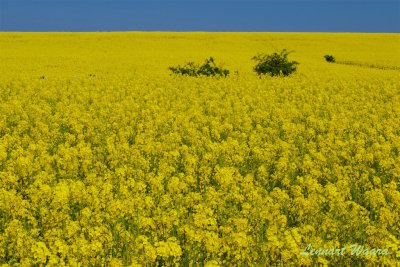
274,64
209,68
329,58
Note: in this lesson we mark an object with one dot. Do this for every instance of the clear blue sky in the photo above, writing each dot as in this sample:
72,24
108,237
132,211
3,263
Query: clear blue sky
200,15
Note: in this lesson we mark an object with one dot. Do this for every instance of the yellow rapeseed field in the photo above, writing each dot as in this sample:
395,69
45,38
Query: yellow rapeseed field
107,159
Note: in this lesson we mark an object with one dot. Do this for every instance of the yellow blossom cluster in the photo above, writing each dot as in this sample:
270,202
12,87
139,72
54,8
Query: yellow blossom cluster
106,159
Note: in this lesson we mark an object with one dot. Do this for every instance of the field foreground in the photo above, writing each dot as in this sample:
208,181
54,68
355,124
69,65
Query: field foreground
106,159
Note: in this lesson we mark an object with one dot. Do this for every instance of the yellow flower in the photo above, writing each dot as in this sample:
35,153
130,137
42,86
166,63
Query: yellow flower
106,159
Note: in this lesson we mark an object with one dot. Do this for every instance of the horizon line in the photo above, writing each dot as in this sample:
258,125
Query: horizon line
195,31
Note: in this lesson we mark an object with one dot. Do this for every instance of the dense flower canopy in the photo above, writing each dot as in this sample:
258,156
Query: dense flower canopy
107,159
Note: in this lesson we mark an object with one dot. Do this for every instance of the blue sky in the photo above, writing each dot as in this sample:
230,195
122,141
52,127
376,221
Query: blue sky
201,15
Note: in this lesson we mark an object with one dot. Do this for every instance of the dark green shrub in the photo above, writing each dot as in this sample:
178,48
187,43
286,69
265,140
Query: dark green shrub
274,64
209,68
188,69
329,58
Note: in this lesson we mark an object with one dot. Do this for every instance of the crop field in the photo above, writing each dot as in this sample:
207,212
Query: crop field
107,158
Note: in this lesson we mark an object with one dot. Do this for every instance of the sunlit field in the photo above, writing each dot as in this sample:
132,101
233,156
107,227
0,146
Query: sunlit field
109,159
